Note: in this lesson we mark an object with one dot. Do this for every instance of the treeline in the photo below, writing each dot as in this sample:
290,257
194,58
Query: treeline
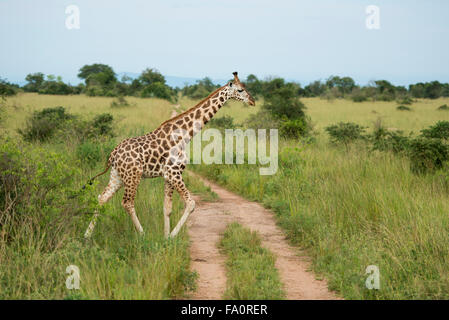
345,87
101,80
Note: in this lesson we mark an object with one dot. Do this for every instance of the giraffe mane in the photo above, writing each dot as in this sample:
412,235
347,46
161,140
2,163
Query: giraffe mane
193,108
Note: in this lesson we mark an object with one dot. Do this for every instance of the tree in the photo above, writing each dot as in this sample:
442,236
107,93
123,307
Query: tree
254,85
150,76
97,73
284,102
35,81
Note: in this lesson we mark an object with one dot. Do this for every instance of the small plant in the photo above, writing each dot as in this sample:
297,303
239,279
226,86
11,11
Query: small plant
403,108
102,124
444,107
294,128
406,101
345,132
226,122
359,98
438,131
427,154
42,124
119,102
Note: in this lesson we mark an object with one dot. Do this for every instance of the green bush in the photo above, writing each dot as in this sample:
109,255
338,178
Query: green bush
403,108
359,98
406,101
345,132
393,141
201,89
262,120
158,90
284,103
294,129
7,89
443,107
102,124
438,131
50,122
225,122
43,124
37,196
427,154
119,102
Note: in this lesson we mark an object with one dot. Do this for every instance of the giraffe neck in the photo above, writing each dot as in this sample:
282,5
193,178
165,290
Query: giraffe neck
211,106
195,118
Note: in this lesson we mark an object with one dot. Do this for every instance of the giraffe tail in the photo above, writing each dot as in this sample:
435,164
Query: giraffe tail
93,178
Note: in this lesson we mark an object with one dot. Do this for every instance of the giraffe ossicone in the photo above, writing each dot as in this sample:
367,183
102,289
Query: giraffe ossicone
161,153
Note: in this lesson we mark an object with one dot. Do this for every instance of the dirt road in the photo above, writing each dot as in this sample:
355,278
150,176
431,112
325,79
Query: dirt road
208,222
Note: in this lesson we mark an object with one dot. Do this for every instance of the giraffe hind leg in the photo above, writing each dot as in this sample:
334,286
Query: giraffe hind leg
131,184
115,183
180,186
168,194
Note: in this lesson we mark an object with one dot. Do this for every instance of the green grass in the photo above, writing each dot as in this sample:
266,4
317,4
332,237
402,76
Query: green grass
251,273
351,208
116,263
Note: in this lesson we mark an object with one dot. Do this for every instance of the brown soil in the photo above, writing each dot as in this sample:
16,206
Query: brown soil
208,222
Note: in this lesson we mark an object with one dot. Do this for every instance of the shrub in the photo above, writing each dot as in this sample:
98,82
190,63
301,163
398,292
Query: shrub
443,107
403,108
406,101
43,124
102,125
201,89
37,197
262,120
7,89
225,122
359,98
158,90
119,102
284,103
438,131
294,128
393,141
427,154
55,87
345,132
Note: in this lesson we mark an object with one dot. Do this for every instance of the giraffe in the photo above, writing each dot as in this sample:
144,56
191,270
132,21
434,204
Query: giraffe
161,153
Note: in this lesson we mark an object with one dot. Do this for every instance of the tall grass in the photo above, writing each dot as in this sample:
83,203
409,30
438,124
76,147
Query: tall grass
351,207
116,263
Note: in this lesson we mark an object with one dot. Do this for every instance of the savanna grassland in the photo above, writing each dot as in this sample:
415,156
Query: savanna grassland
349,206
116,263
352,206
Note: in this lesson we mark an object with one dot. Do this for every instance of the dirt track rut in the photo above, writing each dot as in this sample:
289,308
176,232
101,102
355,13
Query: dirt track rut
208,222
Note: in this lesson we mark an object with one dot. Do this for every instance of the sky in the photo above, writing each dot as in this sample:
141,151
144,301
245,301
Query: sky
294,39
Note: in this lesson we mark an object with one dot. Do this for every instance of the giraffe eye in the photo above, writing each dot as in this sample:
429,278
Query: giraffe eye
241,90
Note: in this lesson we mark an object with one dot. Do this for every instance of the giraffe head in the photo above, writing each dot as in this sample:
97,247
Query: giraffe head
237,90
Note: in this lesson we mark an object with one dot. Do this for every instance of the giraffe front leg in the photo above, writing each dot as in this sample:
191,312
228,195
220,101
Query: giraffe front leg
189,203
168,201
